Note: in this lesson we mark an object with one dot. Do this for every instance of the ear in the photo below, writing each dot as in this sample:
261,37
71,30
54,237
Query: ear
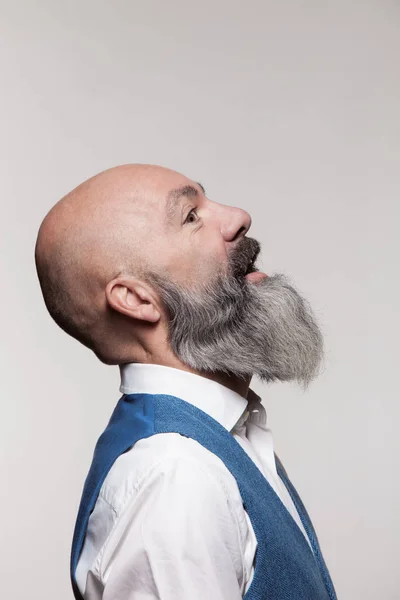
130,297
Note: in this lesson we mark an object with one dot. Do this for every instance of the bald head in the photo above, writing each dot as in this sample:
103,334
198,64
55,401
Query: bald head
90,226
103,228
102,249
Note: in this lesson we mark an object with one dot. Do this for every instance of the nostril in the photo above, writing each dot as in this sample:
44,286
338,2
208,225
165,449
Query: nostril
241,231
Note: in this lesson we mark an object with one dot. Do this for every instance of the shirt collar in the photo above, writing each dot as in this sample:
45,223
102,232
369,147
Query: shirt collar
218,401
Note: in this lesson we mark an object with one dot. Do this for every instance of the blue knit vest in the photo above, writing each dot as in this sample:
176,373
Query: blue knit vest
285,566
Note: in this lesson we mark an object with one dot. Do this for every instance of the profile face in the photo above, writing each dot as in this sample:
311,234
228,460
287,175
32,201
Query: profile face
191,238
224,314
139,260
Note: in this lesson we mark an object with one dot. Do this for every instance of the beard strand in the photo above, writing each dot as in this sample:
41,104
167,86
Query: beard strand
240,328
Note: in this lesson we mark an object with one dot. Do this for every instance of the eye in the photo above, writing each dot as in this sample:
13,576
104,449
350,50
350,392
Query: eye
189,216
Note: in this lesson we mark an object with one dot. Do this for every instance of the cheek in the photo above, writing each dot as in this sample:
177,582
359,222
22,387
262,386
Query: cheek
198,259
192,267
177,263
207,266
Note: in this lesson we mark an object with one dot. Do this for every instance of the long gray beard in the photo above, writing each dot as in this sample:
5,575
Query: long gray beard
237,327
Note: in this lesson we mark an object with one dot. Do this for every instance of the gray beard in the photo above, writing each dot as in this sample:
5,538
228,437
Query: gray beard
234,326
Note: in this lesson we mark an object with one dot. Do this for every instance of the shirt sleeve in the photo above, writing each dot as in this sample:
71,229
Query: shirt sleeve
179,539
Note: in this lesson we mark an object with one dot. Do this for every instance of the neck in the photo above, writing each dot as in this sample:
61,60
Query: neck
166,358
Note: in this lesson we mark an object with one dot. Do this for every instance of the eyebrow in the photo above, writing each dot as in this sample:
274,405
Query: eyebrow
175,196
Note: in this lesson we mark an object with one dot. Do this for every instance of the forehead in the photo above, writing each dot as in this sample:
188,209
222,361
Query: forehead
157,194
165,190
166,180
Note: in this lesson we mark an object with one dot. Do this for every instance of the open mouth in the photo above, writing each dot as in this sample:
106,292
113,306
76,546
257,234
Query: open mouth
250,269
251,266
244,259
252,274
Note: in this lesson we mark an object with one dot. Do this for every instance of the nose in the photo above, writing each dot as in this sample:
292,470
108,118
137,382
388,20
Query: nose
236,224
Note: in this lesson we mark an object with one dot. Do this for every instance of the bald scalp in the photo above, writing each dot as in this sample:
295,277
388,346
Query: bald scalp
96,232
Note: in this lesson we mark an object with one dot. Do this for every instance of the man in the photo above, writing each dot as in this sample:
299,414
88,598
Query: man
185,498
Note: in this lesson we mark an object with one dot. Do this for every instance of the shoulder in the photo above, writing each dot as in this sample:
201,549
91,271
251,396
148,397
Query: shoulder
168,498
172,458
178,517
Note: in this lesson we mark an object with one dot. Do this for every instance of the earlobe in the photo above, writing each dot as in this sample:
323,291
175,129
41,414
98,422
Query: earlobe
130,298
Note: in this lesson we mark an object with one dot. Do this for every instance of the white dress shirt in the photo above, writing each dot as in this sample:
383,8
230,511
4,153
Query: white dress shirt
169,522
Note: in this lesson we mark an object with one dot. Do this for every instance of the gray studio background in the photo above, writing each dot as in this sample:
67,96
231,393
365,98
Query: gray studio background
288,109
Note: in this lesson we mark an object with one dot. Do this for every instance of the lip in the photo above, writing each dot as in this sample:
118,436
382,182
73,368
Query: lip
256,276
